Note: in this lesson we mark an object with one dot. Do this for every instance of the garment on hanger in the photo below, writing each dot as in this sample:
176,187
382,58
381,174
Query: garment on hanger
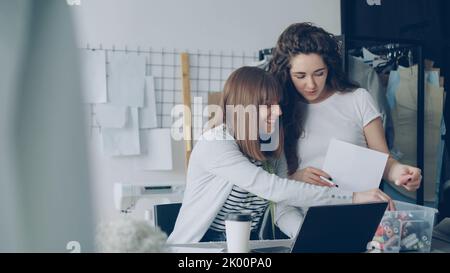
394,81
372,59
404,117
367,77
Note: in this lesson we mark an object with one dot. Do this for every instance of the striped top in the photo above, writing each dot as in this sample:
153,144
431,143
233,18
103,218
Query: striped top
241,201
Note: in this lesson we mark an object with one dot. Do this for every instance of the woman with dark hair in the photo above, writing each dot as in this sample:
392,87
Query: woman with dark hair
231,166
320,104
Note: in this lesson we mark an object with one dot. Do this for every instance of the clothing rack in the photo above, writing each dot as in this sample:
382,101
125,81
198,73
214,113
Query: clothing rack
377,45
383,48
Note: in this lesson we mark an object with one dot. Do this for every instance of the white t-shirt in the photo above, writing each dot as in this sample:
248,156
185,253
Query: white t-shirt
342,116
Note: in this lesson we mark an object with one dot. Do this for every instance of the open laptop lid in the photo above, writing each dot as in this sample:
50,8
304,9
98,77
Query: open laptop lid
339,228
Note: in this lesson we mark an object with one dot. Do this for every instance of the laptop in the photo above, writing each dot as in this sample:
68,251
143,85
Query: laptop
335,229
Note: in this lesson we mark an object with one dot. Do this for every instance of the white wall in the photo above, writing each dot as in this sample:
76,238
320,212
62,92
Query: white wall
232,25
198,24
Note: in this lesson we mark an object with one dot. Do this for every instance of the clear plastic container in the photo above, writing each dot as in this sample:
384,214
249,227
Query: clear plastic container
408,229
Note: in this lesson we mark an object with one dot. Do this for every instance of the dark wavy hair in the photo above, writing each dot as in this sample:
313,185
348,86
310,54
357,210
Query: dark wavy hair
304,38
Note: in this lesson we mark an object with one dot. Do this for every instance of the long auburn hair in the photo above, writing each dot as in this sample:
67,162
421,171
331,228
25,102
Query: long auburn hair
251,86
304,38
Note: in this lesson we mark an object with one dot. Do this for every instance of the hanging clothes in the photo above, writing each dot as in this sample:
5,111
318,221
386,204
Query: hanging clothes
394,81
404,117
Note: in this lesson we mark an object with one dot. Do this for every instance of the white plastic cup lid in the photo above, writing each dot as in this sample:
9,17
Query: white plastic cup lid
239,217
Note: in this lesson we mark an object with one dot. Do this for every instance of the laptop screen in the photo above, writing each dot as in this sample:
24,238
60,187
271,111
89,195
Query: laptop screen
339,228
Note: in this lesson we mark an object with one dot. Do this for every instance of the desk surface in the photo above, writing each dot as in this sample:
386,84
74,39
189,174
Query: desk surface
437,246
223,245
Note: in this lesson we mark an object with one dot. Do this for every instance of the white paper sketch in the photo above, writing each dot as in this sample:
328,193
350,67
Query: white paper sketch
124,141
156,150
110,116
93,74
147,115
354,168
126,81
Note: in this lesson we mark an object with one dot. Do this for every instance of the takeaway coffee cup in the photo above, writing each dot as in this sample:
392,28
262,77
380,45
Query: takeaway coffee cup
237,227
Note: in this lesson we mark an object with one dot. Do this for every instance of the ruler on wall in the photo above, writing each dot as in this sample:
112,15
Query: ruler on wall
187,118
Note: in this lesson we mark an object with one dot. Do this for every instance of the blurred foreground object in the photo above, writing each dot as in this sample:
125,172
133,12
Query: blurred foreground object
128,235
45,201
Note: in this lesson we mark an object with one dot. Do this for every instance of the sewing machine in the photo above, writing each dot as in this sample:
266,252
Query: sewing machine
127,195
